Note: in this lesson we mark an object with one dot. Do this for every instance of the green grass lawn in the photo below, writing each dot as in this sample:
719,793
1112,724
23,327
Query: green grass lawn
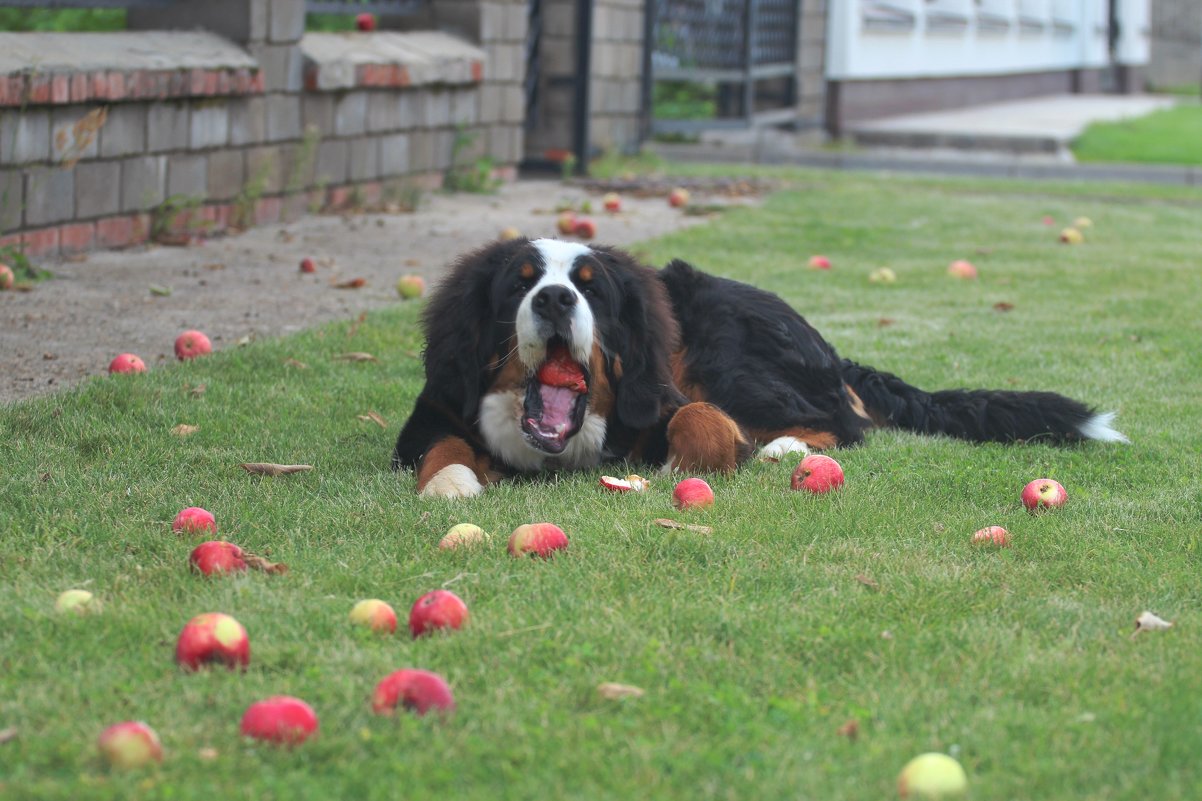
1171,136
754,644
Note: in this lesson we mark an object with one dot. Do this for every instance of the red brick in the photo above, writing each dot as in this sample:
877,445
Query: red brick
258,82
211,82
429,181
115,232
268,210
338,198
43,242
100,86
403,78
225,82
77,237
371,192
196,82
116,85
477,70
12,240
39,89
508,173
81,87
60,89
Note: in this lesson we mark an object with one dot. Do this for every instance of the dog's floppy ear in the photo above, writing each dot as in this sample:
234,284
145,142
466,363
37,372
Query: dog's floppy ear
461,329
647,338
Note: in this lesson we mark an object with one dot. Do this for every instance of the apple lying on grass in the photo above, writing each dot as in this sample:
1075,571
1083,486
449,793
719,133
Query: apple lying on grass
212,638
992,535
130,744
612,202
692,493
411,286
191,344
280,719
80,602
678,197
439,609
882,276
962,269
216,556
537,539
7,278
415,690
1043,493
194,520
1071,236
820,263
463,535
375,614
632,483
818,474
932,776
127,363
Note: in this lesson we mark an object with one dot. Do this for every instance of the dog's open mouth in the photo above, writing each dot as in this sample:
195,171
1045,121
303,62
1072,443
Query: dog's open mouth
556,400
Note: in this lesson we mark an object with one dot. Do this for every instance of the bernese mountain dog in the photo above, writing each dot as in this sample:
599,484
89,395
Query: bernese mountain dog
549,355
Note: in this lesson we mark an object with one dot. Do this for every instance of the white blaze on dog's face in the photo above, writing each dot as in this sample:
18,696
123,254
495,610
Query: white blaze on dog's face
555,307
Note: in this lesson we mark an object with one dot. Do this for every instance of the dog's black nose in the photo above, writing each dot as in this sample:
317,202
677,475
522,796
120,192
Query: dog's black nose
554,302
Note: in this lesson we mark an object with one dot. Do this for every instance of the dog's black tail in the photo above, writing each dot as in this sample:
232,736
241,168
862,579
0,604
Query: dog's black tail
980,415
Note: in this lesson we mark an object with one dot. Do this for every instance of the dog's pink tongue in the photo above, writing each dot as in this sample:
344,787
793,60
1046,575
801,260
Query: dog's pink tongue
558,403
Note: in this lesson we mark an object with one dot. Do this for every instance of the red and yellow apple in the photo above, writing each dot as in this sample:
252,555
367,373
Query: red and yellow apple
7,278
962,269
817,473
537,539
692,493
375,614
820,263
932,776
212,638
415,690
191,344
509,233
585,228
678,197
612,202
1071,236
127,363
216,556
279,719
130,744
463,535
992,535
411,286
1043,493
194,520
439,609
566,222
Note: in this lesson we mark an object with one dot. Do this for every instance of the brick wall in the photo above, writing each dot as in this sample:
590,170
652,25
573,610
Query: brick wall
1176,57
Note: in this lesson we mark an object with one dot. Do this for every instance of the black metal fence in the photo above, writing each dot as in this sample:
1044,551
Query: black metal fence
90,3
741,52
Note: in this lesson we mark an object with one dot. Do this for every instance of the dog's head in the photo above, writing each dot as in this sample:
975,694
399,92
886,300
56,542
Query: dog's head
537,341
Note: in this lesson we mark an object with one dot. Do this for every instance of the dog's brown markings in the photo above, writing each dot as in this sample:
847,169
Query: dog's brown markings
584,274
816,440
450,451
703,438
526,271
601,395
679,377
857,405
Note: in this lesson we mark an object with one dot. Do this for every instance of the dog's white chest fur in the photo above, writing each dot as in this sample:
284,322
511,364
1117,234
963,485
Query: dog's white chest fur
501,424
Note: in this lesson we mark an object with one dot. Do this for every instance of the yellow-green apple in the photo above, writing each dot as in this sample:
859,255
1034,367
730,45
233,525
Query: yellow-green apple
194,520
820,263
307,265
1082,222
585,228
992,535
537,539
191,344
366,22
212,638
375,614
962,269
1071,236
81,602
279,719
932,776
817,473
463,535
127,363
439,609
411,286
678,197
509,233
415,690
882,276
216,556
7,278
612,202
1043,493
566,222
692,493
130,744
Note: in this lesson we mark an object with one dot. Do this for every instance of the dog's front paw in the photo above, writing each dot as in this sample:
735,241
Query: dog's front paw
453,481
781,447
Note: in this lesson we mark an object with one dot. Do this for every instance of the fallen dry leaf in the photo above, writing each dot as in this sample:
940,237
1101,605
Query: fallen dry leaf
884,322
354,283
356,357
850,730
269,469
160,291
207,754
294,363
49,357
184,430
412,262
8,734
615,692
1150,622
217,265
354,329
869,583
242,342
256,562
1003,306
372,417
666,523
76,258
197,390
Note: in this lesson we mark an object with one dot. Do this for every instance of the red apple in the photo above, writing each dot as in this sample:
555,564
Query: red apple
375,614
678,197
307,266
194,520
130,745
566,222
366,22
127,363
537,539
212,637
216,556
992,535
692,492
962,269
818,474
820,263
612,202
632,483
280,719
191,344
440,609
7,279
1049,219
416,690
1043,493
585,228
411,286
